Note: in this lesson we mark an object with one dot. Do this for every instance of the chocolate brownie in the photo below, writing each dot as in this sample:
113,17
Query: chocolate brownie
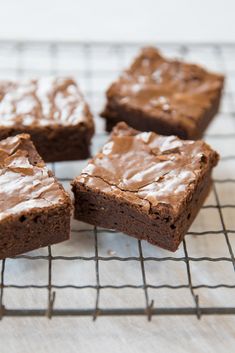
145,185
166,96
52,111
34,208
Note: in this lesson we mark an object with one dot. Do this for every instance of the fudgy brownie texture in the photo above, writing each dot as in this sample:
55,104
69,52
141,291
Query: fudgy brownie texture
34,208
146,185
166,96
52,111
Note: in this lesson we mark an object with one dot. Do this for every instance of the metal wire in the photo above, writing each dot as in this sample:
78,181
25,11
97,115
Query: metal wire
149,307
97,287
88,74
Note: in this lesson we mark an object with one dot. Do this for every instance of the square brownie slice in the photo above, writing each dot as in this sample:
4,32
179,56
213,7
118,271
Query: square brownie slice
166,96
145,185
53,111
34,208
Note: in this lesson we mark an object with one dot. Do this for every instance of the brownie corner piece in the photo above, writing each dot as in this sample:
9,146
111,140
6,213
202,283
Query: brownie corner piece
35,210
53,111
167,96
146,185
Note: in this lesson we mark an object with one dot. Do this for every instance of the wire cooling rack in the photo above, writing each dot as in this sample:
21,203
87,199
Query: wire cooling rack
100,272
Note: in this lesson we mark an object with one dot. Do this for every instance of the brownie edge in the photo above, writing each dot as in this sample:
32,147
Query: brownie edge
146,185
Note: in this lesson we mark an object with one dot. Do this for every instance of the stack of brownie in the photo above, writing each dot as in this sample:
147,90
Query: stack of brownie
145,184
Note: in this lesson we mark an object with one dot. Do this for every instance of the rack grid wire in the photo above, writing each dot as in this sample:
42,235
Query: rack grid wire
95,65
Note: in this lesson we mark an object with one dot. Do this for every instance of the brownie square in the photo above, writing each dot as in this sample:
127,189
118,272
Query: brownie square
145,185
34,208
53,111
166,96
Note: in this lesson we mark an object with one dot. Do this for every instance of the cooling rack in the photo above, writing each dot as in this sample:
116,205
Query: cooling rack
102,272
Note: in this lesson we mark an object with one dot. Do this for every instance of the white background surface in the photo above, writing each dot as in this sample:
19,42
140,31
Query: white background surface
121,20
184,20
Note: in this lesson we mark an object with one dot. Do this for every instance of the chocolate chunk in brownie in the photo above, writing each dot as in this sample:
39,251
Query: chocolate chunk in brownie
167,96
34,208
53,111
145,185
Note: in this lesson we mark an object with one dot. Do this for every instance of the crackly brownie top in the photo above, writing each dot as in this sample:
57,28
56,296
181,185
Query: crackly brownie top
42,102
168,89
147,169
25,182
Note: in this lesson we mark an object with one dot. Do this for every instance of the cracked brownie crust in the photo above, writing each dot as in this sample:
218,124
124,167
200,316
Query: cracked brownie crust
166,96
34,208
146,185
52,111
